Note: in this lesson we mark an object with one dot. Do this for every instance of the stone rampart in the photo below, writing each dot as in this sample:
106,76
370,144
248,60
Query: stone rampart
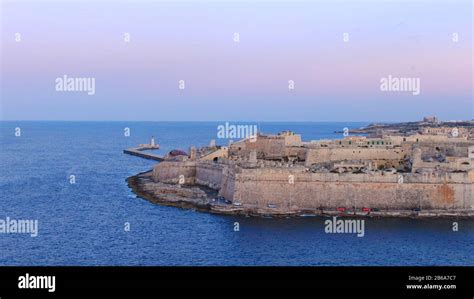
320,155
313,191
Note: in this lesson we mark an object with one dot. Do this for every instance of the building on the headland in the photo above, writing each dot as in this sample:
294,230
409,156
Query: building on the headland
271,147
430,119
444,130
430,170
354,141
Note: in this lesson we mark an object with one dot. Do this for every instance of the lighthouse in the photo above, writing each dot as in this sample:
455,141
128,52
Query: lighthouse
151,145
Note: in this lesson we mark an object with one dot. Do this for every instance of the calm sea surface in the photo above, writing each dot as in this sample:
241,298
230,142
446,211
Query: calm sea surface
83,224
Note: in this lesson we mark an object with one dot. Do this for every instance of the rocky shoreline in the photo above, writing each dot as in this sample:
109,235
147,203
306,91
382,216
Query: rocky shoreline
201,198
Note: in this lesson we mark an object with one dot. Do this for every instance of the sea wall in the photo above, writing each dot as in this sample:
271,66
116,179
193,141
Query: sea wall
205,173
171,172
228,182
312,191
283,188
209,174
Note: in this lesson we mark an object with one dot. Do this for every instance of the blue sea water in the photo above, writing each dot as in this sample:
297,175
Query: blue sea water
83,223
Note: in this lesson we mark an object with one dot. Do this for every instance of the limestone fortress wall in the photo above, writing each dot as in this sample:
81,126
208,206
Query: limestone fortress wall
320,155
313,191
284,187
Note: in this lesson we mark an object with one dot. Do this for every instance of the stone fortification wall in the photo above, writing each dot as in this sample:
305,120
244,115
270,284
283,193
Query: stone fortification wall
219,153
312,191
450,164
209,174
293,187
228,182
269,147
320,155
205,173
170,172
298,152
454,149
